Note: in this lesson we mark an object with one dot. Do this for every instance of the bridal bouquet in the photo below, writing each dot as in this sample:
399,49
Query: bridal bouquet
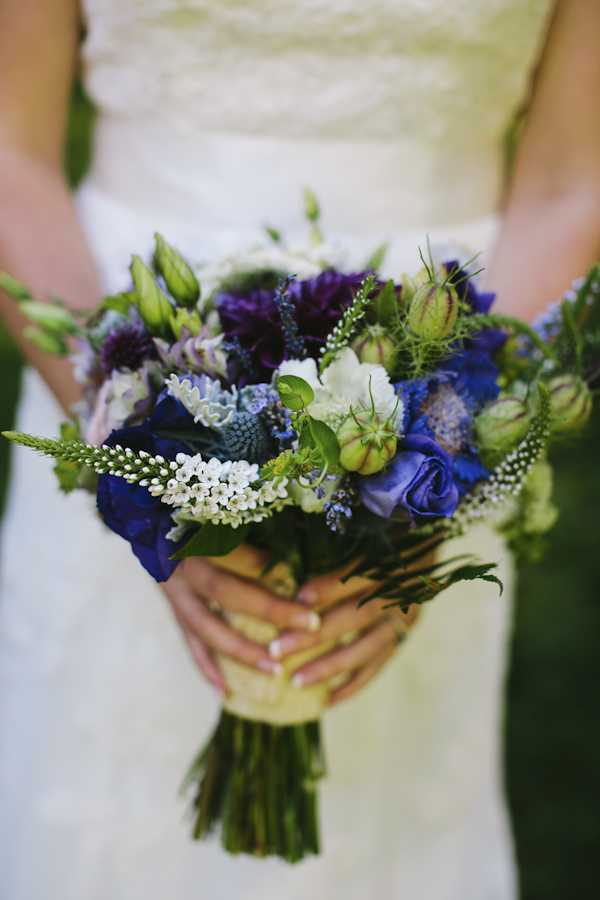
329,419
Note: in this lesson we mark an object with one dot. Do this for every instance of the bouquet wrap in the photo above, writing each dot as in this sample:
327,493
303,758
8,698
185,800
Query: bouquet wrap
267,698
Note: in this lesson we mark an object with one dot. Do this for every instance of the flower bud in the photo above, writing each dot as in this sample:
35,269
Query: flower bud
46,342
375,346
433,311
366,442
181,282
185,318
503,424
571,403
154,308
49,316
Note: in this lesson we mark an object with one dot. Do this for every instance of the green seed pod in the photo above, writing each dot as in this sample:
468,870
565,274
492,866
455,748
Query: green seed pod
185,318
375,346
433,311
410,286
367,443
154,308
48,316
181,282
571,404
503,424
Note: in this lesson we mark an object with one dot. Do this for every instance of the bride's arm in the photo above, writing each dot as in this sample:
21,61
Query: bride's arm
551,224
41,242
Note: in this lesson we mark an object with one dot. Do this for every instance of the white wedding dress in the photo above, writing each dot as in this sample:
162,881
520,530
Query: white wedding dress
213,118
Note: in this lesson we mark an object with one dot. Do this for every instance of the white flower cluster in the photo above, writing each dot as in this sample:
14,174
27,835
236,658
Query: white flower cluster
218,492
209,404
305,261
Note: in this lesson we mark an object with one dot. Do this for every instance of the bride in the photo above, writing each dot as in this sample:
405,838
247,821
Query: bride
212,119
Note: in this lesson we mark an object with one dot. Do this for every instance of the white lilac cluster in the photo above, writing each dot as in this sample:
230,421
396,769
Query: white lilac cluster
205,400
218,492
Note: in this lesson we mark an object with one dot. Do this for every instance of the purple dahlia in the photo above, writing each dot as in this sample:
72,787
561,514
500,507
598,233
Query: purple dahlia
254,319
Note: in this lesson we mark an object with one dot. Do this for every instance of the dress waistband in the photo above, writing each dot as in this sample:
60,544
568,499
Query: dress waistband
226,180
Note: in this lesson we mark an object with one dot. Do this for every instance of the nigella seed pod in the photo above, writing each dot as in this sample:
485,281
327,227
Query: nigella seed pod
181,282
433,311
571,403
375,346
154,308
503,424
367,442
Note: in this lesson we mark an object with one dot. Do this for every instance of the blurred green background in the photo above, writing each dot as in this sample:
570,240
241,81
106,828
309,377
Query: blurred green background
553,712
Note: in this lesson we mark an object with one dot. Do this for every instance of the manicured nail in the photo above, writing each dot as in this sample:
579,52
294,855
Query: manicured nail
267,665
275,649
308,595
298,680
308,621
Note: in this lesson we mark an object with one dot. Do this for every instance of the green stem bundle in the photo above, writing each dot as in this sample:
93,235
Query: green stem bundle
258,782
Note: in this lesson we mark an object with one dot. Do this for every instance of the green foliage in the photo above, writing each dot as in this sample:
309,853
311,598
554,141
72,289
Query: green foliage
295,393
317,435
375,261
213,540
14,288
346,327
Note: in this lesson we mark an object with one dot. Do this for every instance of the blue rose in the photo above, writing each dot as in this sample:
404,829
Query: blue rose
419,480
130,510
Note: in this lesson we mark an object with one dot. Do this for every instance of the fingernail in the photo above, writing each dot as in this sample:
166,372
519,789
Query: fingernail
275,649
267,665
309,621
307,595
298,680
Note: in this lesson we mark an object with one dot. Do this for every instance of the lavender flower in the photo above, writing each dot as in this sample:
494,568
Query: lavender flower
275,415
339,508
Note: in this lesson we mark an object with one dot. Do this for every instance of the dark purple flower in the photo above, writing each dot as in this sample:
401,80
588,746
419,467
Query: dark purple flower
255,320
126,347
419,480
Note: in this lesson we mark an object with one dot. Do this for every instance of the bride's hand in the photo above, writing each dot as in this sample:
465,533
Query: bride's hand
200,588
374,632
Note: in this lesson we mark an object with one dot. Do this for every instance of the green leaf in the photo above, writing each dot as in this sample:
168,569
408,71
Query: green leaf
294,392
120,303
322,438
213,540
273,234
386,304
376,258
47,343
14,287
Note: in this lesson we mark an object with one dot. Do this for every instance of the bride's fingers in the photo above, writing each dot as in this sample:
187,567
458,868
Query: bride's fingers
213,632
202,656
339,621
361,677
236,595
329,589
361,652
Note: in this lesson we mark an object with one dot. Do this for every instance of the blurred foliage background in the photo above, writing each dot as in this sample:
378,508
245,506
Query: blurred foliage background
553,709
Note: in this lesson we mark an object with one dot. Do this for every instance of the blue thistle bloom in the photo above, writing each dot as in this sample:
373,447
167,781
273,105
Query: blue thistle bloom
246,438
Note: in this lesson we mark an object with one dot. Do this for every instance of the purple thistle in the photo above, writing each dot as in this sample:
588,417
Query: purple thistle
126,347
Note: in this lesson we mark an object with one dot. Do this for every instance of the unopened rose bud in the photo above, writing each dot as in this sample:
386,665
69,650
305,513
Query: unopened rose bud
185,318
154,308
367,443
571,403
433,311
375,346
181,282
503,424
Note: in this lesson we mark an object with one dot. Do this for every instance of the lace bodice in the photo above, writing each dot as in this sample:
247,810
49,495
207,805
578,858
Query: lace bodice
438,70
